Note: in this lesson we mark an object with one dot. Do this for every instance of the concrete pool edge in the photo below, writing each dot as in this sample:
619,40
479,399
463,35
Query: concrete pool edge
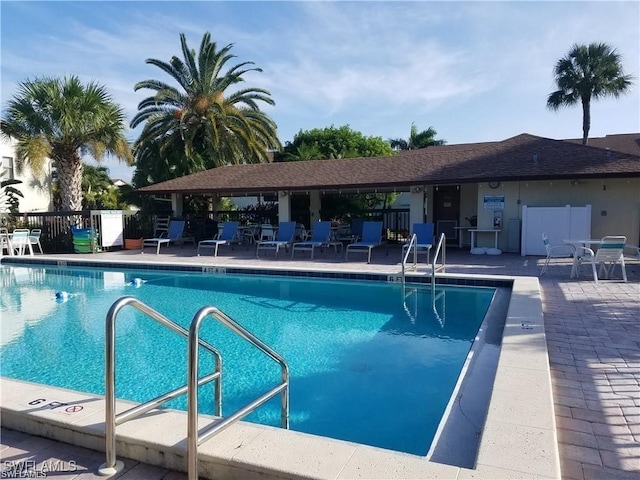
519,436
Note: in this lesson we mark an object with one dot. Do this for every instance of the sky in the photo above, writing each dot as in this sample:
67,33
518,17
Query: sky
475,71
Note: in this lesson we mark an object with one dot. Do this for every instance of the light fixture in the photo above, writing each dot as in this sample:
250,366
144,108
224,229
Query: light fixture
574,182
416,189
282,194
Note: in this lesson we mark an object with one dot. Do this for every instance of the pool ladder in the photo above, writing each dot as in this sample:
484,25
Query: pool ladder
441,251
194,438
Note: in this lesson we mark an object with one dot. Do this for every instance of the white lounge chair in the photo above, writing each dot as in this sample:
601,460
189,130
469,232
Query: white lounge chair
320,236
555,251
284,238
424,241
175,234
609,253
371,238
227,235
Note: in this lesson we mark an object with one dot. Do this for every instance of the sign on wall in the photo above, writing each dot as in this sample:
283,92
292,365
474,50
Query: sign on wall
493,202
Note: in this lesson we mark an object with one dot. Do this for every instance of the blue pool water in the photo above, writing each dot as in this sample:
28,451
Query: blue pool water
367,364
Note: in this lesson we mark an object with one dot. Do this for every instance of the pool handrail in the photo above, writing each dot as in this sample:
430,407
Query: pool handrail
194,437
112,465
412,245
441,247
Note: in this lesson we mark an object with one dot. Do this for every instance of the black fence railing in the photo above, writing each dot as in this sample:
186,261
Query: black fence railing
57,227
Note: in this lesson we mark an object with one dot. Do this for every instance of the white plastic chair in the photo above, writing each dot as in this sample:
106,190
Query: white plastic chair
20,241
267,233
5,242
34,238
555,251
609,253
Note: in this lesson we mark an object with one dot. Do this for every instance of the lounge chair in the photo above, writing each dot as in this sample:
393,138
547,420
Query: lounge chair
284,238
424,242
175,234
610,252
371,238
320,236
227,235
555,251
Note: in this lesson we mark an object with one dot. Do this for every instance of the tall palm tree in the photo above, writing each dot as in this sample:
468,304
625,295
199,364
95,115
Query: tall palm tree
62,119
201,118
586,72
423,139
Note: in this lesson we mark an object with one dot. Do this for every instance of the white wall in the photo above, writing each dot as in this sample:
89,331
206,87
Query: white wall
615,203
36,189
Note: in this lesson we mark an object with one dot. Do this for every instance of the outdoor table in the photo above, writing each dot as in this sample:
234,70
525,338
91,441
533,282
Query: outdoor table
576,255
461,231
484,230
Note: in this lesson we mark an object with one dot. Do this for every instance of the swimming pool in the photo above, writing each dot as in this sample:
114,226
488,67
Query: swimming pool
367,364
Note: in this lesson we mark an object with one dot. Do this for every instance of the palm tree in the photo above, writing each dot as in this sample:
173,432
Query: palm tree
423,139
96,185
63,119
202,120
586,72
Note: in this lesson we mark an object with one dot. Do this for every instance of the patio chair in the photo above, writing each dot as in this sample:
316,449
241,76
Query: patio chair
228,234
161,227
634,252
267,233
20,241
320,236
609,253
5,242
371,238
555,251
424,242
175,234
34,238
284,238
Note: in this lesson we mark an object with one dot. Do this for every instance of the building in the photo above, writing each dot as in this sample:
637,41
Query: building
35,188
490,182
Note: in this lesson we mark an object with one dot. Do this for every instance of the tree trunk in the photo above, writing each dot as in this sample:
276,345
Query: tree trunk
586,119
69,169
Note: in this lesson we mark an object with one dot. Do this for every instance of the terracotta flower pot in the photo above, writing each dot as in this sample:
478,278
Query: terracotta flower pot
133,243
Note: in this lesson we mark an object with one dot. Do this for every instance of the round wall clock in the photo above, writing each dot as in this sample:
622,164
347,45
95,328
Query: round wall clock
494,184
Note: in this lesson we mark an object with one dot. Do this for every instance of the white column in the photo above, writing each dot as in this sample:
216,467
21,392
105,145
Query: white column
284,207
177,204
314,206
417,205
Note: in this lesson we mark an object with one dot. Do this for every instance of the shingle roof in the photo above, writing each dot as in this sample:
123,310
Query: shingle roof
622,142
523,157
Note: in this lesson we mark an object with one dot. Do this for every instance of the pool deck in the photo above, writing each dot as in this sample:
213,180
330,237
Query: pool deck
592,339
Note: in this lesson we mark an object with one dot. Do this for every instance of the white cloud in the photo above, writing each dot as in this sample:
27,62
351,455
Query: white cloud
475,71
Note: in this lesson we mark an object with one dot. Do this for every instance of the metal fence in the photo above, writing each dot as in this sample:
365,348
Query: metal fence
57,227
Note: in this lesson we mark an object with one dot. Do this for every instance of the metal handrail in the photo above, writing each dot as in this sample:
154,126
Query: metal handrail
440,248
412,243
111,465
195,438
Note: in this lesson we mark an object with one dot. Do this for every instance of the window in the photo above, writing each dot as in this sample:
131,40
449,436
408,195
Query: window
7,168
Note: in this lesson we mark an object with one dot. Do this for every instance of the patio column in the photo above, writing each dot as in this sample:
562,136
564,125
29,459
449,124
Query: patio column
177,204
284,207
314,206
417,205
